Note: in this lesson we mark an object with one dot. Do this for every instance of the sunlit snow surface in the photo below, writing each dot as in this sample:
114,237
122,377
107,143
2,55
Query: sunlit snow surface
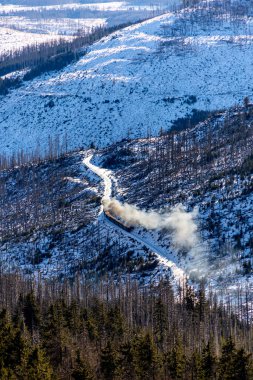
43,30
99,6
131,83
59,20
9,39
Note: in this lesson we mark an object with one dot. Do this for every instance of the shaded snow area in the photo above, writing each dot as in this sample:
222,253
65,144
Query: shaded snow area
51,223
163,257
52,219
208,167
135,82
43,206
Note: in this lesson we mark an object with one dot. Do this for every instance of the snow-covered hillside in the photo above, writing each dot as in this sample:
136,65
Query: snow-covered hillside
52,221
135,82
56,227
211,172
67,20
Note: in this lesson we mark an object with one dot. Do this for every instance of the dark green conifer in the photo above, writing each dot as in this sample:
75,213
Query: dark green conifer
208,362
82,369
31,312
176,362
160,318
38,367
108,362
146,359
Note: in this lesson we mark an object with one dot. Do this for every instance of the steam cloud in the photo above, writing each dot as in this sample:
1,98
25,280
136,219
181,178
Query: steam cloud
182,223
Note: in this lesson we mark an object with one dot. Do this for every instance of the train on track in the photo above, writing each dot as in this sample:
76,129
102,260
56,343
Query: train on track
118,222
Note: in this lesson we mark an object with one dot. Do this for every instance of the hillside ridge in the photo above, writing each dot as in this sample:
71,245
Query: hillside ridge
135,82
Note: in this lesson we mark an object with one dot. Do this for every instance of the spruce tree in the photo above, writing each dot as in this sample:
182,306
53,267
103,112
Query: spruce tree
196,365
160,318
233,364
226,362
38,367
108,362
208,362
146,359
176,362
82,369
54,333
126,368
241,365
31,312
114,322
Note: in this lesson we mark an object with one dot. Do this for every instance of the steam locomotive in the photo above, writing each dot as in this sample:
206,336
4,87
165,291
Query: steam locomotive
118,223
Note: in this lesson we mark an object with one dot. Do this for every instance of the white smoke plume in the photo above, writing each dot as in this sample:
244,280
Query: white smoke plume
182,223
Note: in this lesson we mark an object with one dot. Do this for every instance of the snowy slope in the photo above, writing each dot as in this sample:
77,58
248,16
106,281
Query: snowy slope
66,20
165,259
136,81
64,231
223,196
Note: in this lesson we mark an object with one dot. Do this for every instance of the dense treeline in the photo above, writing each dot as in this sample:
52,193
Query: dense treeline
83,330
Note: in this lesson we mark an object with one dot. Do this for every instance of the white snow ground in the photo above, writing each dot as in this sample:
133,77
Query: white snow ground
58,20
46,29
11,39
98,6
133,82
